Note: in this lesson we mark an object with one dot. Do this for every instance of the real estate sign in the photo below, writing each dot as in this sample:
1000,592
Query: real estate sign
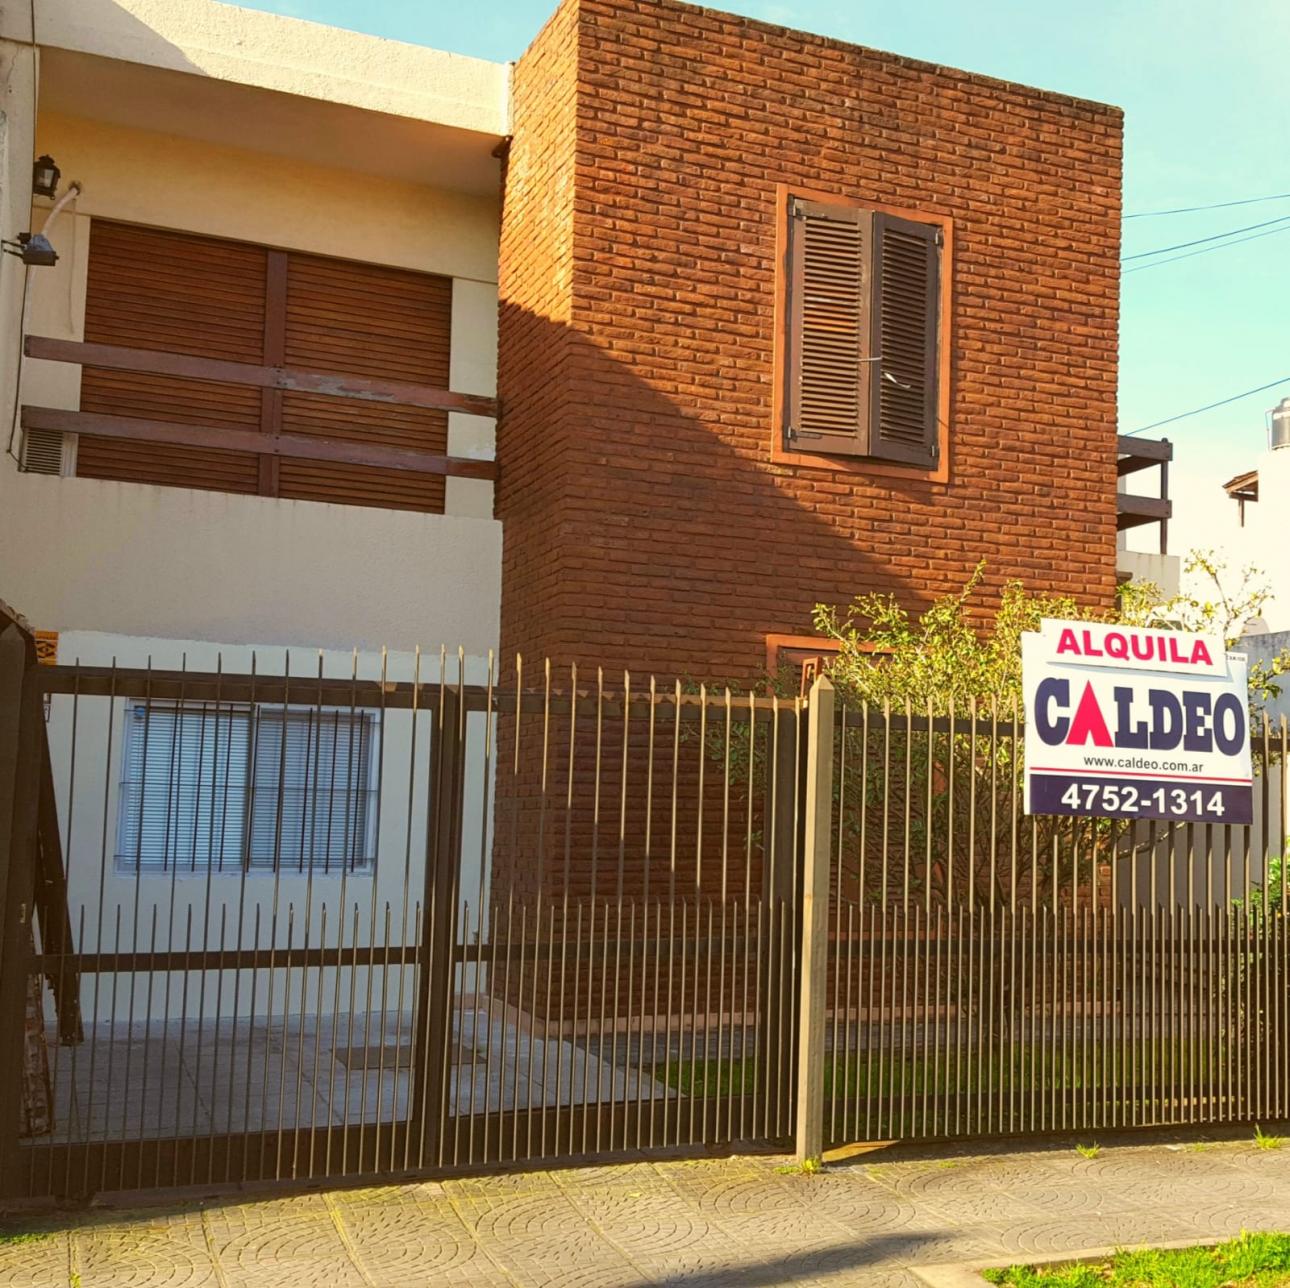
1129,722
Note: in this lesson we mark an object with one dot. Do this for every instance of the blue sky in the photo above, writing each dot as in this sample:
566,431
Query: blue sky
1206,96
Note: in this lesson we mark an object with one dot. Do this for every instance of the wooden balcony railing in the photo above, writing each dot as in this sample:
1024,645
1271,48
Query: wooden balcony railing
304,446
1134,509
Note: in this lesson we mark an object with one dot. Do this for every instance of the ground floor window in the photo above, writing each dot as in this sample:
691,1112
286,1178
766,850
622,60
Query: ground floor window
217,787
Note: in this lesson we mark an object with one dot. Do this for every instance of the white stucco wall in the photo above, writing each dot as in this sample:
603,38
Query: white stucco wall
171,562
151,177
17,143
1210,520
1162,571
111,907
87,554
145,574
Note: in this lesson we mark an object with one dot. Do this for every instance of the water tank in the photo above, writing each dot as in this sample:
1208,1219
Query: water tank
1281,425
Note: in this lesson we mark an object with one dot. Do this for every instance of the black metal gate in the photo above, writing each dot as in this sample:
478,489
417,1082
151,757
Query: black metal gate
245,975
296,925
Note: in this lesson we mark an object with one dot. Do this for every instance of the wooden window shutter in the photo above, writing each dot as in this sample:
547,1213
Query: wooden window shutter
365,320
829,280
153,289
903,330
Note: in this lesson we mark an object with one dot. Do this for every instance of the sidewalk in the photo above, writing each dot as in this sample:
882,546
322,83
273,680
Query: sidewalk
730,1221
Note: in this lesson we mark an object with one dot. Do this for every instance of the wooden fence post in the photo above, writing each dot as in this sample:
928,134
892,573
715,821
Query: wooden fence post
817,853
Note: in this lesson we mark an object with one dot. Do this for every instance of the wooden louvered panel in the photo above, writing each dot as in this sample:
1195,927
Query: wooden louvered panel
829,319
364,320
153,289
905,327
831,327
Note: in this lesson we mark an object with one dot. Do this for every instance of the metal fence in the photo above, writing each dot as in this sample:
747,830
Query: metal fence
302,926
990,972
293,921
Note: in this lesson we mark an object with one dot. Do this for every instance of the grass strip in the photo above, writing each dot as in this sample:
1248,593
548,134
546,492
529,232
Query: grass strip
1248,1261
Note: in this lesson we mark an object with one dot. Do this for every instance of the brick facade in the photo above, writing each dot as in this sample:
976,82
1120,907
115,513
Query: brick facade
535,266
646,523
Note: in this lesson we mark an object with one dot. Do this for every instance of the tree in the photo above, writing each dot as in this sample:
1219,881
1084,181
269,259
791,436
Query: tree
1222,600
932,804
885,655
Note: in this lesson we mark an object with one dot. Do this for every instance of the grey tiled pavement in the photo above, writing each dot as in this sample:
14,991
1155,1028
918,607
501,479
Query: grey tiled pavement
737,1221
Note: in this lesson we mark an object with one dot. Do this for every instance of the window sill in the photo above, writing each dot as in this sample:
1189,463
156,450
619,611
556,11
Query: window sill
781,455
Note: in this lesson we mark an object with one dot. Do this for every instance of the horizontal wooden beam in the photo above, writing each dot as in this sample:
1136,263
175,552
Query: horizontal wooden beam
1152,450
1133,511
298,379
1132,464
222,439
269,690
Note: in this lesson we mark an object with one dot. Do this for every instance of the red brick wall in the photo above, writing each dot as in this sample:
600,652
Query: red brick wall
644,520
535,284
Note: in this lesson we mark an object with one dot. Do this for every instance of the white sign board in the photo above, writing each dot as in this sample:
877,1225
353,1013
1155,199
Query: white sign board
1129,722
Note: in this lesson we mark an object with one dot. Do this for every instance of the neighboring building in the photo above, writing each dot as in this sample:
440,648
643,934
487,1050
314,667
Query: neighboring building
264,191
272,193
1253,533
1254,537
1139,510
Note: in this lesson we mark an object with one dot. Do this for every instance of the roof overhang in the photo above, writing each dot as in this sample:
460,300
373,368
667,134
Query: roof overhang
238,77
1244,487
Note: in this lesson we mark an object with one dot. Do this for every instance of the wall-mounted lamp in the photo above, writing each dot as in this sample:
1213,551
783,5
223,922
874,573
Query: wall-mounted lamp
44,177
33,249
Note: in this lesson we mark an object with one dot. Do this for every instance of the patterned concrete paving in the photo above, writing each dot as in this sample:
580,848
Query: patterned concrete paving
739,1221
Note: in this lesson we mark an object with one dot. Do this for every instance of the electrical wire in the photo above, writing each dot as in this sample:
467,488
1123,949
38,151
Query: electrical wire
1205,250
1216,205
1231,232
26,268
17,372
1196,411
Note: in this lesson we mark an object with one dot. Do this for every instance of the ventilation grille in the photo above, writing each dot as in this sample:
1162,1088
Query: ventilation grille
42,451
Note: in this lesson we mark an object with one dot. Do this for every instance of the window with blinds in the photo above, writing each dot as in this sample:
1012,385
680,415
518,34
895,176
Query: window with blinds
216,788
862,343
206,297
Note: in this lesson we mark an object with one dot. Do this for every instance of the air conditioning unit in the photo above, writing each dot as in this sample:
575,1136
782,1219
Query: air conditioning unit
47,451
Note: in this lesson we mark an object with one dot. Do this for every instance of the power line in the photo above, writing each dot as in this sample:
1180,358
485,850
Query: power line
1196,411
1231,232
1205,250
1217,205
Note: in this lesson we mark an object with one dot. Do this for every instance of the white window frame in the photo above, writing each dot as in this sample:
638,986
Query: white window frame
222,762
